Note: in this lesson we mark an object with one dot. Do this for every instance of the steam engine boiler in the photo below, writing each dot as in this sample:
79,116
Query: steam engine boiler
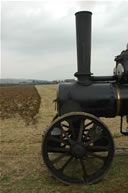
78,147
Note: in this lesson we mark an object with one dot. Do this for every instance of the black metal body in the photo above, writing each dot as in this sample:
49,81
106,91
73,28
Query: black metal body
104,96
103,99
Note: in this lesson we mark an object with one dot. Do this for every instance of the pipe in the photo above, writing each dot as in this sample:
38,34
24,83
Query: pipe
103,78
83,40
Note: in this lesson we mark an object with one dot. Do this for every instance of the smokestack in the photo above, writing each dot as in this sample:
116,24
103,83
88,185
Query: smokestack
83,40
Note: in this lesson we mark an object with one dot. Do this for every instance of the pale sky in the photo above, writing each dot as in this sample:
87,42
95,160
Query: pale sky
38,38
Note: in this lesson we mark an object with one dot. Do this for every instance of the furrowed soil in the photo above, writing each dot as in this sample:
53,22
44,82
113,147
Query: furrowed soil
21,100
22,168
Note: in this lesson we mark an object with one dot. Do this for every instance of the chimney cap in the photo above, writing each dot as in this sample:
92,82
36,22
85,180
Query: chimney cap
81,12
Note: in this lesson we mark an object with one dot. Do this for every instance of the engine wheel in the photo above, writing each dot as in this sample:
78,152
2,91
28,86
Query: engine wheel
78,148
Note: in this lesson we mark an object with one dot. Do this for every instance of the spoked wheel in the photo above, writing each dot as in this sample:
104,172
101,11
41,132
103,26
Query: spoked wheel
78,148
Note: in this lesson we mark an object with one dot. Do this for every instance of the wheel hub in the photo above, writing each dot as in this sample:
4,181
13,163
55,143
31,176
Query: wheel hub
78,150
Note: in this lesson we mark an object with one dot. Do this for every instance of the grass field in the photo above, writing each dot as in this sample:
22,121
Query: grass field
22,168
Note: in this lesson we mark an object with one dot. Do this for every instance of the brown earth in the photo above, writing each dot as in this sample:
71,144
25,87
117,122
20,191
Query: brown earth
22,100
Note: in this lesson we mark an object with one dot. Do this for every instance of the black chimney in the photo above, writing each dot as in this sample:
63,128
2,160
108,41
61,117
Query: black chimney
83,38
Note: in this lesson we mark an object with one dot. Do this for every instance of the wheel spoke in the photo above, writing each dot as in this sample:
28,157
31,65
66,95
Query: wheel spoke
60,140
57,149
84,170
66,135
97,148
63,125
74,168
90,161
66,163
81,130
59,158
93,140
88,124
103,158
72,129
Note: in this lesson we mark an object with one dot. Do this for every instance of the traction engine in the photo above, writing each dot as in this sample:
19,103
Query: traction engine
78,147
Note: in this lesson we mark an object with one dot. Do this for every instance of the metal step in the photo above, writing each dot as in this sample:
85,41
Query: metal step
125,132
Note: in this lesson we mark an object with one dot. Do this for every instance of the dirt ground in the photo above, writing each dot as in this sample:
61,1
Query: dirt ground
22,100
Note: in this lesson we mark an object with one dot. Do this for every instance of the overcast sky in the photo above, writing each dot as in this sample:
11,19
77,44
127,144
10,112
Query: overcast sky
39,38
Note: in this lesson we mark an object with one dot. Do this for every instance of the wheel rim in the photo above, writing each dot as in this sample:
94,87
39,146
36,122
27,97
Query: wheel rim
78,148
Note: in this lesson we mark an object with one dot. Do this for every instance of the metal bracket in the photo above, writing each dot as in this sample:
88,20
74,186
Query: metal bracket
124,132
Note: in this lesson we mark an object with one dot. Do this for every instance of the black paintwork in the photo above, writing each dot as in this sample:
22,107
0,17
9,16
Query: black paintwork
124,99
83,39
99,99
103,96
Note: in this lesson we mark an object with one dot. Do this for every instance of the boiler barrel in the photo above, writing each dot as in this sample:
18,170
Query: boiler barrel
100,99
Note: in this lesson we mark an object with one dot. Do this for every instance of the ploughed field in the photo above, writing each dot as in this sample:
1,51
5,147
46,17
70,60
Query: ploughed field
21,100
24,113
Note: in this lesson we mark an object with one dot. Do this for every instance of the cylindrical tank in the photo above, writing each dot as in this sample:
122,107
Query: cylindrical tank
103,99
